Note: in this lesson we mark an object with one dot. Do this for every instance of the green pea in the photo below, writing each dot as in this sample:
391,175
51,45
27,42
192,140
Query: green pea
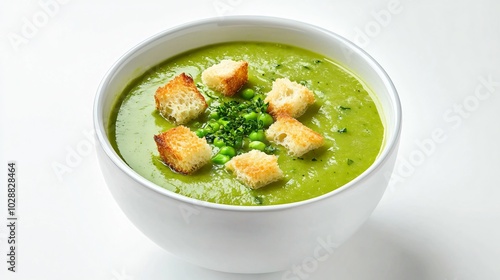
223,121
250,116
257,145
201,132
228,151
218,142
266,119
257,135
212,126
220,159
214,115
258,96
247,93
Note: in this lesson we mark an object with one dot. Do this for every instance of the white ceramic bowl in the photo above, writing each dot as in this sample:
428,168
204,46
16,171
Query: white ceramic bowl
246,239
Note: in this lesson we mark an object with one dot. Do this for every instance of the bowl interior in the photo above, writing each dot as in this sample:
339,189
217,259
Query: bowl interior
211,31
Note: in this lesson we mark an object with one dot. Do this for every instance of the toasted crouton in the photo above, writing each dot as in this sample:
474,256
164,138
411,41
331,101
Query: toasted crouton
179,100
288,98
297,138
226,77
255,169
182,150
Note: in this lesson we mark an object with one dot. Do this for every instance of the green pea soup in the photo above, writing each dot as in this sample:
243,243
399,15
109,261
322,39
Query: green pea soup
345,114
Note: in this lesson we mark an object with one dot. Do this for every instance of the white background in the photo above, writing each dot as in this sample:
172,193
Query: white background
439,219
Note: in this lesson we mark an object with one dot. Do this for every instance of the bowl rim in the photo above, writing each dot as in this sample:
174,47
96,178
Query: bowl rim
101,135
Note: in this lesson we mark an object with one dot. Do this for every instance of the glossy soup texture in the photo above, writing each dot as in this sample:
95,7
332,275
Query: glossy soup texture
344,113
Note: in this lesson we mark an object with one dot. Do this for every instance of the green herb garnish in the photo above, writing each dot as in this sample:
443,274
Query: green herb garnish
259,200
237,126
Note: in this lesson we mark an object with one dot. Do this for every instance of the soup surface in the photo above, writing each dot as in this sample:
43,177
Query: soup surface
344,113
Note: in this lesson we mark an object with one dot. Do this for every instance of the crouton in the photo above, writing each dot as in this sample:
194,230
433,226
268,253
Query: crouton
297,138
255,169
288,98
179,100
226,77
182,150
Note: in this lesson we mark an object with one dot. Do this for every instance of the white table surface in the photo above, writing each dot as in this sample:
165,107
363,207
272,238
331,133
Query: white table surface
439,219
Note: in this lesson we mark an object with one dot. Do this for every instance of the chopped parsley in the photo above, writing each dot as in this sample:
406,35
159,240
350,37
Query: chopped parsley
231,123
